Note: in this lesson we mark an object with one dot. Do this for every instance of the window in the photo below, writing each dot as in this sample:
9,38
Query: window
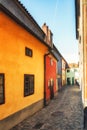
28,85
75,70
28,52
51,62
68,71
2,98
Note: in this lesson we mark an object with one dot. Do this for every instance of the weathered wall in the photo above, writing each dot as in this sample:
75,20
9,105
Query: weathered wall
14,64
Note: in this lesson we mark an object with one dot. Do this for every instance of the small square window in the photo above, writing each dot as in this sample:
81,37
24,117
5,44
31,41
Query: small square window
28,52
28,84
68,71
2,94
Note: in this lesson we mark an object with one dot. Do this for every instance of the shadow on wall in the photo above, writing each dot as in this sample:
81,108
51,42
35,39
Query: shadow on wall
85,117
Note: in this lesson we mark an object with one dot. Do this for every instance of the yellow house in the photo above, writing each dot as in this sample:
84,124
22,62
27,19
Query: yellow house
64,67
63,72
22,50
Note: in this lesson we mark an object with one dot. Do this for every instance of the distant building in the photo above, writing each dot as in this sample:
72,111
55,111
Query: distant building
73,65
64,67
63,72
72,75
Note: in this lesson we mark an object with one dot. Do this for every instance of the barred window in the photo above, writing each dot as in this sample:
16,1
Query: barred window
28,84
2,94
28,52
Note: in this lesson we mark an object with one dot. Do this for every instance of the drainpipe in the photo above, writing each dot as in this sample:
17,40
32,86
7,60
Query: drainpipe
45,77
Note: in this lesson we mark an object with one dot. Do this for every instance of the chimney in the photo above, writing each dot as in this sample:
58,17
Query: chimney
48,35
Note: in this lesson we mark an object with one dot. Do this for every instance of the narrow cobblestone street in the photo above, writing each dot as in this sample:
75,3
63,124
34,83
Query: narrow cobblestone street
64,112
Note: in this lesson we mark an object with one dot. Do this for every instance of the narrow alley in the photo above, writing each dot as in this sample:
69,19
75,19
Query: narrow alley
64,112
43,65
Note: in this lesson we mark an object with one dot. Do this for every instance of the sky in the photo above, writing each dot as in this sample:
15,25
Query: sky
59,16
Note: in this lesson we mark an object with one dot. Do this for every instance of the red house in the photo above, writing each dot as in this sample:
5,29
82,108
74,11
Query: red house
50,76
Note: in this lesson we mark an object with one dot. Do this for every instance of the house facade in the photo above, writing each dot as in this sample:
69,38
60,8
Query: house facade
63,72
21,74
59,67
50,63
81,35
72,76
50,78
62,65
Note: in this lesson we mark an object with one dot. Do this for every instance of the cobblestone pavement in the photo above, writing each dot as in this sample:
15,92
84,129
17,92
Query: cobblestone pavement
64,112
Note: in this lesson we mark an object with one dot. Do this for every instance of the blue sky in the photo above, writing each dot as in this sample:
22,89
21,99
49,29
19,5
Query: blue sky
59,15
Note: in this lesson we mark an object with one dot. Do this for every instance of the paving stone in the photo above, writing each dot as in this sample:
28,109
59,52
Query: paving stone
65,112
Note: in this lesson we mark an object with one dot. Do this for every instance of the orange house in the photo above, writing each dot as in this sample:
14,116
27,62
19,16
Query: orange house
22,50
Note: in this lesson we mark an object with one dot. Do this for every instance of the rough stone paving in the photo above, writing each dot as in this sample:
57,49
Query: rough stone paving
65,112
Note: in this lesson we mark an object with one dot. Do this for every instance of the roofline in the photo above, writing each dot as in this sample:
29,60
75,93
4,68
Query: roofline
53,54
57,50
11,15
24,8
60,54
